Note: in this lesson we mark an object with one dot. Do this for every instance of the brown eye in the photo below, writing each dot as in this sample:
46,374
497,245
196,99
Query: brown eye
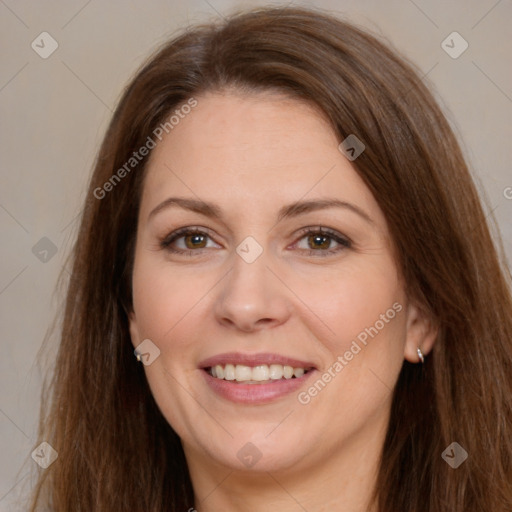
194,241
186,240
319,242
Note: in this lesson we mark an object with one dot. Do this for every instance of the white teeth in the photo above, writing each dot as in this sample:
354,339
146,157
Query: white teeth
276,371
298,372
260,373
229,372
243,372
218,371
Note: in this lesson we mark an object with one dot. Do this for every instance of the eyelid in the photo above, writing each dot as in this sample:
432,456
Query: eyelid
338,237
180,232
344,241
324,230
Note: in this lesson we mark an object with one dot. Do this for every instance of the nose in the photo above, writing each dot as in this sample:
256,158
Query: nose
251,297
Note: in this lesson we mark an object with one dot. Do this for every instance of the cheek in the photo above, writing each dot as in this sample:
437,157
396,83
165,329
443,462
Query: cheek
161,297
345,300
165,302
351,299
365,307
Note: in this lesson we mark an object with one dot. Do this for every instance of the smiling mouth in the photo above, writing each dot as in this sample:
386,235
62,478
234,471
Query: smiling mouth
259,374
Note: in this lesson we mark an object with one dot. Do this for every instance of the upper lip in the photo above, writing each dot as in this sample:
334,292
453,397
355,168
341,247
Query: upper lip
254,360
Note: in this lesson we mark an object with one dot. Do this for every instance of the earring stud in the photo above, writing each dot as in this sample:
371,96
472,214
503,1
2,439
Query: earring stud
420,355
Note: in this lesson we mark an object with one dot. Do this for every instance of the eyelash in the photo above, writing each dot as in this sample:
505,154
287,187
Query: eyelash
344,242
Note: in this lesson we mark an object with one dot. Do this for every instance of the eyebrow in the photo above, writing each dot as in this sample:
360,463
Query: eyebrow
291,210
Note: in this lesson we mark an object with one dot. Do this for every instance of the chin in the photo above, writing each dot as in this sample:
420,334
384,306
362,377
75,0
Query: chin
260,452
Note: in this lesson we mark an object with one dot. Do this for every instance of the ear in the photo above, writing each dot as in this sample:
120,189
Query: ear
421,333
134,329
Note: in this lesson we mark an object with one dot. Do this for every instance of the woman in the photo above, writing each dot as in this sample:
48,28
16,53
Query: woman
284,290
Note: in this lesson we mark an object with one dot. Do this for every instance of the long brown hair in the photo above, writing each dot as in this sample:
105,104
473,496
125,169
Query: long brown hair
116,450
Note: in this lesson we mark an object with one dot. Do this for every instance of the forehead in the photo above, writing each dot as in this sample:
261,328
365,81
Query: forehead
254,128
251,150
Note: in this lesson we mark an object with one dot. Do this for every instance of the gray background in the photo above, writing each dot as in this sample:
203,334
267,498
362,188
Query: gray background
54,112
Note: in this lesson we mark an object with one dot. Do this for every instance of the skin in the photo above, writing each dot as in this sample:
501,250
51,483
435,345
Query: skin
251,155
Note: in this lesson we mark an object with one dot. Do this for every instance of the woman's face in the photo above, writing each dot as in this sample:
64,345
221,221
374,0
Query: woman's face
260,294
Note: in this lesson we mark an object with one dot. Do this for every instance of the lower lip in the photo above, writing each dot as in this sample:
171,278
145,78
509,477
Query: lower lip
255,393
